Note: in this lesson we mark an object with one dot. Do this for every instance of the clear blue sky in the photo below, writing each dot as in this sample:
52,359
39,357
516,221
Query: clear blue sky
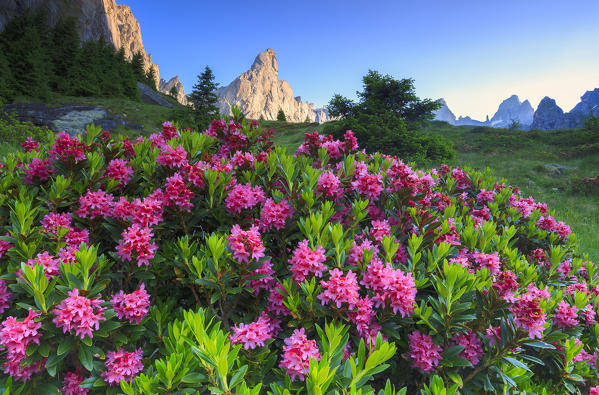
474,53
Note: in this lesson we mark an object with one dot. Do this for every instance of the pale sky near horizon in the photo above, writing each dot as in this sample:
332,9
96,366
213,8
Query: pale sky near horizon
473,53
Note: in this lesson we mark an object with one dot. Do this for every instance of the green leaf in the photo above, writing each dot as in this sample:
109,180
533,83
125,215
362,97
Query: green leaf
65,345
540,344
86,358
517,363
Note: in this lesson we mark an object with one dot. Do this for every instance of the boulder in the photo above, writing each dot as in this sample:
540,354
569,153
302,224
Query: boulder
150,96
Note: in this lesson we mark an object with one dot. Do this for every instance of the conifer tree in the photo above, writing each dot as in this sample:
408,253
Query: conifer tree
64,48
5,79
151,78
281,116
204,98
137,65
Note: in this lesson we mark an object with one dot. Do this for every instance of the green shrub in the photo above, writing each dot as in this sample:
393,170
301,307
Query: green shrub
15,132
388,134
281,116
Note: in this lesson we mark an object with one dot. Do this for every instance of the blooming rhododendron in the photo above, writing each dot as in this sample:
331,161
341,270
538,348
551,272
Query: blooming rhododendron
246,244
306,261
243,197
340,289
119,170
489,261
39,170
565,315
71,384
255,333
79,313
172,157
133,306
369,185
50,264
137,244
529,315
52,221
265,282
16,336
473,349
30,145
275,214
423,351
177,191
122,365
95,204
329,185
5,296
297,352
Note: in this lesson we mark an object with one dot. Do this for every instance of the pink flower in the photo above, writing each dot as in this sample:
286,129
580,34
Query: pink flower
39,170
169,131
489,261
51,265
16,336
30,145
565,315
369,185
423,351
95,204
588,314
5,296
275,214
529,315
485,196
52,221
329,186
178,192
77,236
137,240
538,293
122,365
79,313
4,247
246,244
255,333
71,384
340,289
505,284
594,390
68,148
296,354
133,307
120,170
391,285
473,349
305,261
172,157
380,229
243,197
493,335
265,282
363,317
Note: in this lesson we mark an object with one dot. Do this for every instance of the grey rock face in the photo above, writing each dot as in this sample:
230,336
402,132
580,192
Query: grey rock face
259,93
445,114
72,119
467,121
548,116
150,96
512,109
166,88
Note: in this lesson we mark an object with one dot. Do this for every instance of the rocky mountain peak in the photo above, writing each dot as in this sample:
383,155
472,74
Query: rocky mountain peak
166,87
266,61
444,113
260,94
512,109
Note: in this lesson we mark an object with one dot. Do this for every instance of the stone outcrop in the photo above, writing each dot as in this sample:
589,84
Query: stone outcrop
444,113
150,96
260,94
167,88
512,109
95,19
548,116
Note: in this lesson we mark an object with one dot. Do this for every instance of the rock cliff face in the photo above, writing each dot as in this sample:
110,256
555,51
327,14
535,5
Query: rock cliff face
444,114
166,88
548,116
259,93
512,109
95,19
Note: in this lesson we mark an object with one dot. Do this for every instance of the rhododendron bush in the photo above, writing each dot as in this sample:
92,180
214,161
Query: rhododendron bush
216,262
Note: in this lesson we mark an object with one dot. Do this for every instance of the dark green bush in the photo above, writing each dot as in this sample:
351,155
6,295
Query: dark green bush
388,134
15,132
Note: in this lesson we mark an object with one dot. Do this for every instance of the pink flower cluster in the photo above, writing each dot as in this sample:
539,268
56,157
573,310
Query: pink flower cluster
274,215
172,157
305,261
473,349
137,242
529,315
255,333
565,316
52,221
119,170
297,352
246,244
39,170
340,289
68,148
329,185
266,281
71,384
95,204
369,185
425,353
5,296
177,192
16,336
51,265
30,145
79,313
549,223
133,306
242,197
489,261
122,365
391,285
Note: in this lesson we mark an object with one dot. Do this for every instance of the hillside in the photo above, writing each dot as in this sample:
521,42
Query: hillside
542,164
